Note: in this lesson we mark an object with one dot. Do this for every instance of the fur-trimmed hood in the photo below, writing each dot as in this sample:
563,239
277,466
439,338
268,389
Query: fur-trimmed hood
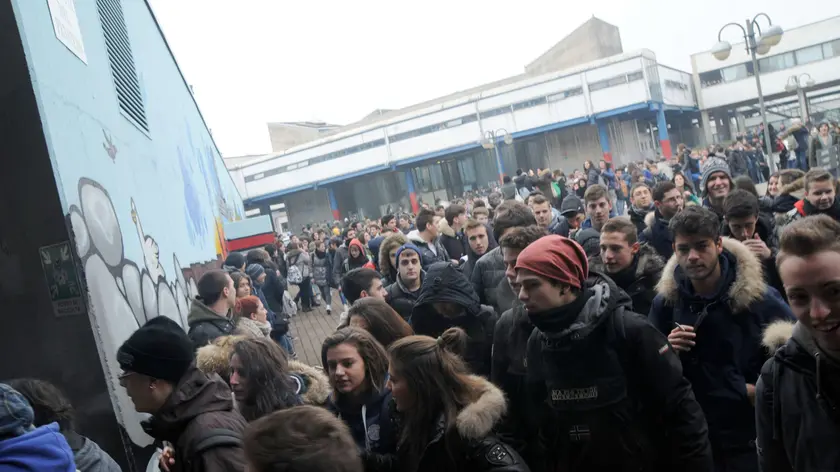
215,358
650,219
776,334
649,263
444,228
795,188
390,243
747,288
476,420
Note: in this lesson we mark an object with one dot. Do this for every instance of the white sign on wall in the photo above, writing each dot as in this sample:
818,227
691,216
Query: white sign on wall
66,25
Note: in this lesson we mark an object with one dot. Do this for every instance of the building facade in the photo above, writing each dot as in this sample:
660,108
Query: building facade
114,198
623,108
807,55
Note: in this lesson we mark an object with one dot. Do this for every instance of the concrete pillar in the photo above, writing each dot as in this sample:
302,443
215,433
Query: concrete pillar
804,112
499,165
334,204
742,122
604,138
664,140
412,194
706,124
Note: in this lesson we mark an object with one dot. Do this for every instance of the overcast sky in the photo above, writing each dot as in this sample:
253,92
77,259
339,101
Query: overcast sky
255,61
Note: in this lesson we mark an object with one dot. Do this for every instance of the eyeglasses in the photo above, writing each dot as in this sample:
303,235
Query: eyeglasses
121,378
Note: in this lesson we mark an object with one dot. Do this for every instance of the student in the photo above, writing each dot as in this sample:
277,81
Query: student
388,257
187,407
211,311
378,319
23,447
51,406
361,283
797,395
606,387
357,367
713,304
446,415
303,439
402,294
251,319
669,201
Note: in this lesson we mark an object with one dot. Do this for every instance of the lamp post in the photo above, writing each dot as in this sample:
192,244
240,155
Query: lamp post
798,84
766,40
490,141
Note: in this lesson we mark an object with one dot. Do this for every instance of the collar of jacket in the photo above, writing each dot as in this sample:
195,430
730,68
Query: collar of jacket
747,287
405,289
445,229
648,262
476,420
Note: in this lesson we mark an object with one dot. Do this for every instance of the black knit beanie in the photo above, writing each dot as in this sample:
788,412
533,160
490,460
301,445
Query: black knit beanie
159,349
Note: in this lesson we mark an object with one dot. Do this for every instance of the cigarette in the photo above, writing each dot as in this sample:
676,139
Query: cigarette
679,326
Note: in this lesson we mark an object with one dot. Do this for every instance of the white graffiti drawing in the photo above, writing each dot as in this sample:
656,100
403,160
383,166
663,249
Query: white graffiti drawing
122,295
151,250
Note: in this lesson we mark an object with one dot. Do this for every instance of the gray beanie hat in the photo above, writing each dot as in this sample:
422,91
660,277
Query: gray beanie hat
713,164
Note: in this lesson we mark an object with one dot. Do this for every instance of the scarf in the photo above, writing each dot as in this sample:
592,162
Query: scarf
558,319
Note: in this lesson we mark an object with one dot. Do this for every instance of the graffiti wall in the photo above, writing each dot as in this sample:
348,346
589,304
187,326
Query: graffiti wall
144,201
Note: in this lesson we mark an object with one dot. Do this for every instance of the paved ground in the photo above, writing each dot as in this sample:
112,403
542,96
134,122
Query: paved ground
310,329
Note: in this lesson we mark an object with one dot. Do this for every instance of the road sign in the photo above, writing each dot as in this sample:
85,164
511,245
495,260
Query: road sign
62,279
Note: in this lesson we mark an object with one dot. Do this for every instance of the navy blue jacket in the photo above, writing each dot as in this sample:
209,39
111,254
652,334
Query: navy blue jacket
658,235
371,425
728,353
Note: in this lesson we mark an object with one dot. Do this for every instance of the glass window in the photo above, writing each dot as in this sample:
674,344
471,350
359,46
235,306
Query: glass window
622,79
595,86
778,62
831,49
713,77
638,75
809,54
733,73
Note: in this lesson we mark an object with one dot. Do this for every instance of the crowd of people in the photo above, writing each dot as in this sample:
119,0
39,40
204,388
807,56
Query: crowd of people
659,316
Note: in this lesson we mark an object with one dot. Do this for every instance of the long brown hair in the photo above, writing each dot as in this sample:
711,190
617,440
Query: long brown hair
371,352
266,370
384,324
440,384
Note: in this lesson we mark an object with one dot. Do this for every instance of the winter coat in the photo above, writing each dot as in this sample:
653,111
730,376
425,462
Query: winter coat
472,447
428,257
486,275
454,243
817,146
786,199
765,227
42,449
339,268
273,288
401,299
371,424
392,242
609,393
206,325
728,353
797,401
361,262
638,216
523,181
198,403
88,456
543,182
508,371
312,386
301,260
321,269
252,328
658,235
737,161
593,177
803,208
647,270
508,191
445,283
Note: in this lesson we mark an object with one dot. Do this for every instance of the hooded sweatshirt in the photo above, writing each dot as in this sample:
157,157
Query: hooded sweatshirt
42,449
370,424
89,456
359,262
207,325
797,403
445,283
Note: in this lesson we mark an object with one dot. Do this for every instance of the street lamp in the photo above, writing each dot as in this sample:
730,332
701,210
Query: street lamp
798,84
761,46
490,141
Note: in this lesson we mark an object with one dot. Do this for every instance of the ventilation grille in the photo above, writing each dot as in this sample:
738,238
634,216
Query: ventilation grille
122,62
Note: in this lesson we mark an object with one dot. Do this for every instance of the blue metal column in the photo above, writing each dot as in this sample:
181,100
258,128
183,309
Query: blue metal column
604,138
412,194
333,204
664,140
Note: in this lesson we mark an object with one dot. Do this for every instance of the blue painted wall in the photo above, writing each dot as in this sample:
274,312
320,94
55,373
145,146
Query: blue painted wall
146,209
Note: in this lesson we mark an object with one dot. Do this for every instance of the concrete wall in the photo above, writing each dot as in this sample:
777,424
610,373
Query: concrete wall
146,208
284,136
593,40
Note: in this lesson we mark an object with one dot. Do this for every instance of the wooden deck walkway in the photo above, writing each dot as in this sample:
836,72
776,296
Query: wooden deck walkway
310,329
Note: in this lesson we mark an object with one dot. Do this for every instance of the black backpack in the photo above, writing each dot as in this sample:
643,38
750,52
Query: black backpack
606,416
210,439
